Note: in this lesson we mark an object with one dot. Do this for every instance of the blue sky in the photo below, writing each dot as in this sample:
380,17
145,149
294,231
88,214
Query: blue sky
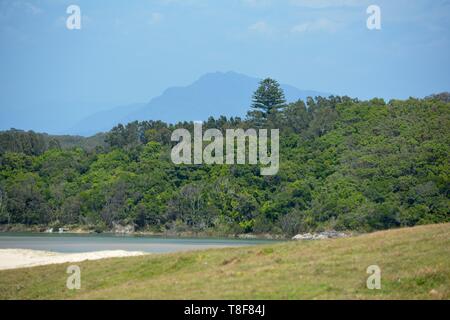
130,51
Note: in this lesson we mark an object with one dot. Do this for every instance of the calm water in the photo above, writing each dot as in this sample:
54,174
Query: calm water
87,243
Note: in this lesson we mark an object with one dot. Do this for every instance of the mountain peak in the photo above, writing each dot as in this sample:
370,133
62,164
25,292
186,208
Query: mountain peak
213,94
221,75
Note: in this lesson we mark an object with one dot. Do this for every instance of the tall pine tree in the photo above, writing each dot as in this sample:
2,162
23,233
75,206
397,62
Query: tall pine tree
268,98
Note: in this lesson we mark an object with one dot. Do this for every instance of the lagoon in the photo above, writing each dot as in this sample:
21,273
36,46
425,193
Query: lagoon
77,243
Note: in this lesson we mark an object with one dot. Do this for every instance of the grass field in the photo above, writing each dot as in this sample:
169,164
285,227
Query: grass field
415,264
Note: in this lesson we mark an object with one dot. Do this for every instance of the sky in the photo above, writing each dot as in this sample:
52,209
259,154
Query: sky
130,51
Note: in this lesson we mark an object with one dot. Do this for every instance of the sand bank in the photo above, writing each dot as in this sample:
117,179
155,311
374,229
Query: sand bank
22,258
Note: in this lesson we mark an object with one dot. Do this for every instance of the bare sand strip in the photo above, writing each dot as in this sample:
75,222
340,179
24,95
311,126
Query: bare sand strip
22,258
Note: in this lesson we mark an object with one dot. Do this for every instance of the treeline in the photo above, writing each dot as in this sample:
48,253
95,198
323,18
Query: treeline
32,143
344,164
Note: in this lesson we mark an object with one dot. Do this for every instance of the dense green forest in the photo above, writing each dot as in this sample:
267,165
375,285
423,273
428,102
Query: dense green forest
344,164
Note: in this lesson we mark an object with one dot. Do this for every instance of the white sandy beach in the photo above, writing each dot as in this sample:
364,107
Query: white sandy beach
23,258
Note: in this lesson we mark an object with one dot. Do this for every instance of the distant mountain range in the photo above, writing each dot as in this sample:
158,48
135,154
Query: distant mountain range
214,94
104,121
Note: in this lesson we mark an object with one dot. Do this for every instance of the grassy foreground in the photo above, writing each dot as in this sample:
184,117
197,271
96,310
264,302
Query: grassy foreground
415,264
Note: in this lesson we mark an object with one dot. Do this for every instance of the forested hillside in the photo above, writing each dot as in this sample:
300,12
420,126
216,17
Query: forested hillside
344,164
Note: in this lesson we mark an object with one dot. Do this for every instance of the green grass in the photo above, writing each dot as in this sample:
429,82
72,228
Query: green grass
415,264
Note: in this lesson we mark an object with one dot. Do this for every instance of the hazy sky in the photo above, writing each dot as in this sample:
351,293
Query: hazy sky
130,51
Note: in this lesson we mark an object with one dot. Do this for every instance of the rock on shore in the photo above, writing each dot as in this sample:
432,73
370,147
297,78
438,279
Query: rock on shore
332,234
